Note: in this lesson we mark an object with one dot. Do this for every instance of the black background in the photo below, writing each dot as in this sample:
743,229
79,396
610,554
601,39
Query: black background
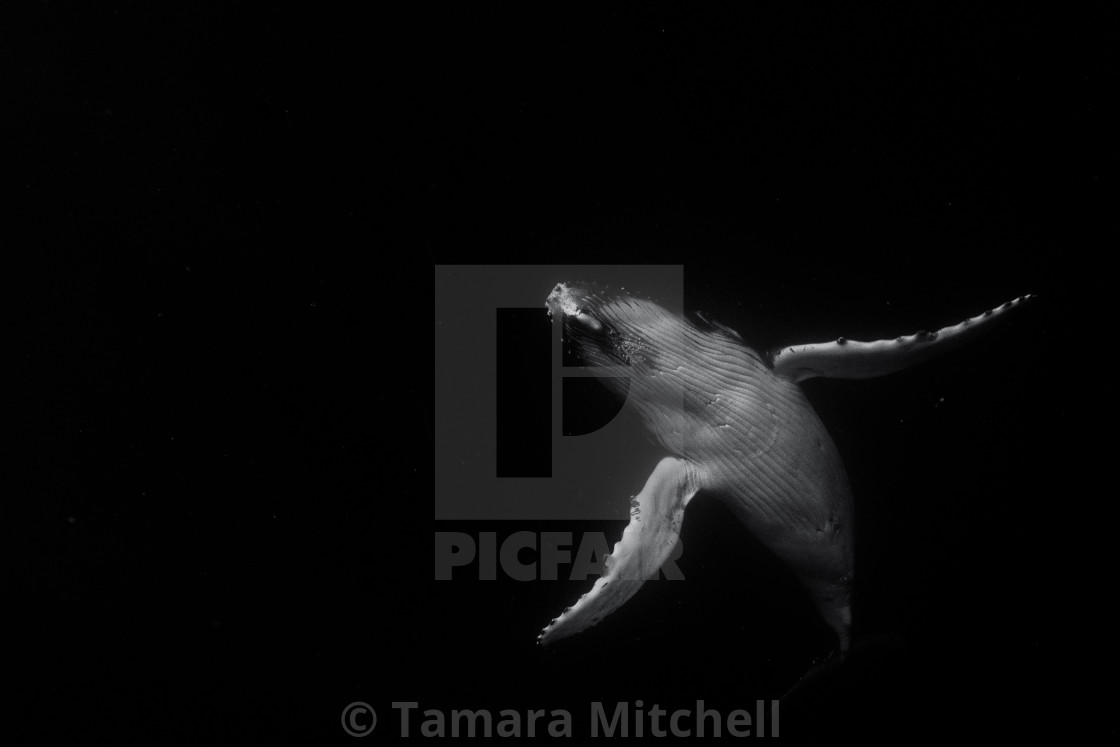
217,286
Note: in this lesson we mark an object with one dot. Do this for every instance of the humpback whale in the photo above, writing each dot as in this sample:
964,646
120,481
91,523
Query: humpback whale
735,423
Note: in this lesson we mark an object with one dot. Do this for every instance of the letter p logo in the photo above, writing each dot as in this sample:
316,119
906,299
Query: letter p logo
500,379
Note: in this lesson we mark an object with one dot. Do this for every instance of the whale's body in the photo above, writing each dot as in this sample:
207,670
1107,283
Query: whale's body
737,425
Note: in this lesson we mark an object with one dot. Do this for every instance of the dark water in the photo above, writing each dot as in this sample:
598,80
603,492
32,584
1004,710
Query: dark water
220,322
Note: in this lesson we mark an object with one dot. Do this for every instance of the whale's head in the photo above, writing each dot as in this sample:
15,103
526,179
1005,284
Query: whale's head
608,327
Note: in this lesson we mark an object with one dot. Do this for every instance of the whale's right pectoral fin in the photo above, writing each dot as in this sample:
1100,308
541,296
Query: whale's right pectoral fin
656,514
849,359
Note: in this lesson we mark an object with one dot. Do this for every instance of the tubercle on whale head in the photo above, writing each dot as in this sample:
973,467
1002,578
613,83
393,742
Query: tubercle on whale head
608,326
604,326
600,307
567,302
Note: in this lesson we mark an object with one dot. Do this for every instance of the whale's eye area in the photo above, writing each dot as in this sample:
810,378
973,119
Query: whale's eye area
587,320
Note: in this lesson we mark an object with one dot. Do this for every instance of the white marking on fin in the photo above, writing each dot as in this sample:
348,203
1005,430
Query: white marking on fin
656,514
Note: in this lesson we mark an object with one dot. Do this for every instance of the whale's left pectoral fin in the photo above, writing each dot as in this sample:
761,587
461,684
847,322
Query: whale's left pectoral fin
656,514
849,359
